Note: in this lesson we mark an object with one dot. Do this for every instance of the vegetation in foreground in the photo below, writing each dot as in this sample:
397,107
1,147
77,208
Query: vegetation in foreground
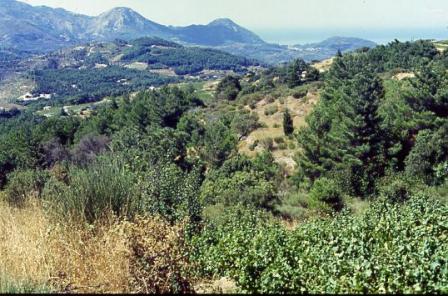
150,194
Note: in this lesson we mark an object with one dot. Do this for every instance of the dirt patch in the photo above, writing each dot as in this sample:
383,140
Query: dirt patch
221,286
404,75
324,65
273,126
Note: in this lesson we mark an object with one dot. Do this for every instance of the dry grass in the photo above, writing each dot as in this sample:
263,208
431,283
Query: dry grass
299,110
324,65
112,257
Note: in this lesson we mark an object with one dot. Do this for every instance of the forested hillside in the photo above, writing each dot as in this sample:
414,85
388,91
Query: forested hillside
172,190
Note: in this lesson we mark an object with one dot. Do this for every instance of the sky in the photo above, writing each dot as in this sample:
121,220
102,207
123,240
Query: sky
272,17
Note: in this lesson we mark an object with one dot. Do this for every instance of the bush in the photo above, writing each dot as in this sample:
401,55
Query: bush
379,251
327,191
300,93
158,262
279,140
271,110
267,144
24,184
283,146
276,125
106,186
254,145
292,145
400,187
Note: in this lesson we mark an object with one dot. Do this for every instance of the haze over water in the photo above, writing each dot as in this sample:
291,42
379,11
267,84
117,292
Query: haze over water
290,36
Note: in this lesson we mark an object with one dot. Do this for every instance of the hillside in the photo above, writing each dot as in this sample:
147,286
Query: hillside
298,178
90,72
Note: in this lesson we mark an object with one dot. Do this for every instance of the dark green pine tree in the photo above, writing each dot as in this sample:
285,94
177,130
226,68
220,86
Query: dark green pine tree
343,136
288,123
295,72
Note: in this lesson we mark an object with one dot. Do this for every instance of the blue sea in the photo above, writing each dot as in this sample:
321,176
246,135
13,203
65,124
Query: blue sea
381,36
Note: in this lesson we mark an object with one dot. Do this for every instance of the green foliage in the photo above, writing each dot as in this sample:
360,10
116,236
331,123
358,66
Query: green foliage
219,143
327,191
94,84
24,184
388,249
106,186
288,123
400,187
344,133
159,53
242,181
228,88
271,110
11,286
429,152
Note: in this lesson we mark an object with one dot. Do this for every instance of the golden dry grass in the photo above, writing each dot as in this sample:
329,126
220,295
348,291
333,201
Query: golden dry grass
112,257
299,108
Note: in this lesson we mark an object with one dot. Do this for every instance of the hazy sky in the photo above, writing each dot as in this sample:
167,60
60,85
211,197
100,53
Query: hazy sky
256,14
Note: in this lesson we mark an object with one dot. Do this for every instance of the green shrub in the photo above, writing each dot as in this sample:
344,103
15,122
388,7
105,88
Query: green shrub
301,93
267,144
276,125
282,146
328,192
294,206
271,110
24,184
106,186
390,248
292,145
254,145
400,187
279,140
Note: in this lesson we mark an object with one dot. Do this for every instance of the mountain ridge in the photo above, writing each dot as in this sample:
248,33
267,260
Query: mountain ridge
43,29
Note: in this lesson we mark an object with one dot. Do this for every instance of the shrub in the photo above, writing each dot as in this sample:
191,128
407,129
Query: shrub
292,145
267,144
276,125
379,251
327,191
300,93
279,140
282,146
24,184
254,145
270,99
106,186
399,187
271,110
158,262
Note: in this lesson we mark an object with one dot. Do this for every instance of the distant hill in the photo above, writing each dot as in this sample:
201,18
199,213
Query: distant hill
328,47
43,29
92,71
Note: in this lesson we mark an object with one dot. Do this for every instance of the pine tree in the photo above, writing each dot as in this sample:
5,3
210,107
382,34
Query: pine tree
295,72
288,124
344,135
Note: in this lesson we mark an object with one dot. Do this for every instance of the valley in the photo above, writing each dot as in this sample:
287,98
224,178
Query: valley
149,159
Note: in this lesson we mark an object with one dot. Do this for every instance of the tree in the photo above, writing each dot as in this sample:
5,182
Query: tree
228,88
288,123
295,73
344,137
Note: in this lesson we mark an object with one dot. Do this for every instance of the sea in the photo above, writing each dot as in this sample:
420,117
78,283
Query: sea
293,36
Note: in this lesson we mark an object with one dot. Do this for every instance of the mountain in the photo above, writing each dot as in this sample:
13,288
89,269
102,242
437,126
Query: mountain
44,29
217,33
340,43
124,23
